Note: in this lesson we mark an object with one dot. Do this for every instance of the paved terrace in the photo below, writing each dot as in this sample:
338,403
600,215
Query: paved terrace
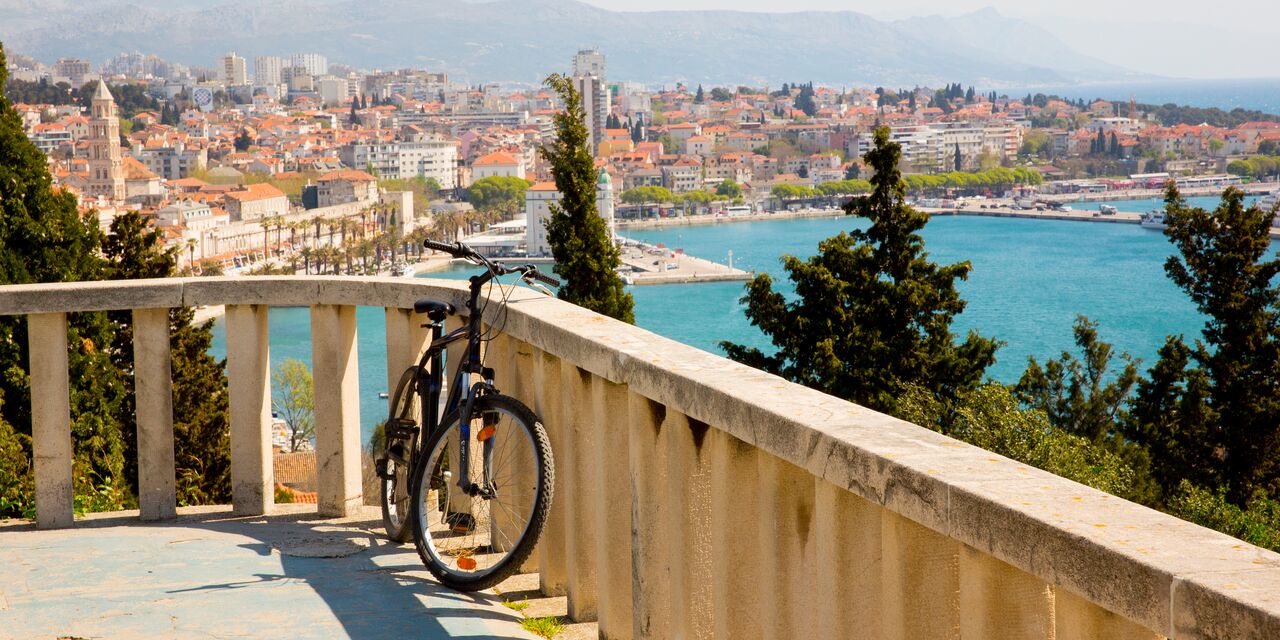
695,498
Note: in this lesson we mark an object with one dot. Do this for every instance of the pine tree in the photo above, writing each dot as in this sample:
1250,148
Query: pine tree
586,258
201,429
1211,412
45,239
872,314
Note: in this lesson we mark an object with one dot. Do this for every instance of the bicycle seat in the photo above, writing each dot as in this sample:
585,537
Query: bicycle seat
434,309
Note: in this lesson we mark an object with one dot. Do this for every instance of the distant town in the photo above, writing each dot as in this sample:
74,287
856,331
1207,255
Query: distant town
242,166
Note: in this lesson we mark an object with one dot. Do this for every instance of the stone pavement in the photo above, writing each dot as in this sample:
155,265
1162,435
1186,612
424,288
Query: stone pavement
209,575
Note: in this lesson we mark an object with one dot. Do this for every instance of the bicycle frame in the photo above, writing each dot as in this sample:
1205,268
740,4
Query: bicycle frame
462,393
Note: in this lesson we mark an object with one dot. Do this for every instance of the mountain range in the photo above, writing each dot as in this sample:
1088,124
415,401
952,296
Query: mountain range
523,40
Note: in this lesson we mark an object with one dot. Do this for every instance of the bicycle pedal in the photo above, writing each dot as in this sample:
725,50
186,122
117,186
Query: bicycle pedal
400,428
380,467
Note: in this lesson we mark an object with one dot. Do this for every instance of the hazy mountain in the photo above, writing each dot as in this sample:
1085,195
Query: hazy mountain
523,40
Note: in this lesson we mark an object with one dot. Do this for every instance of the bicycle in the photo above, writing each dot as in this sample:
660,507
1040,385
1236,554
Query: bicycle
475,512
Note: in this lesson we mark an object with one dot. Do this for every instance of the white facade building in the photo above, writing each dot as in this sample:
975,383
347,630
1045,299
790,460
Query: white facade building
315,64
234,72
436,159
267,70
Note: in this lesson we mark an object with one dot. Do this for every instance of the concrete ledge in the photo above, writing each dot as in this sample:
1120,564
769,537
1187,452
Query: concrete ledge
1170,576
90,296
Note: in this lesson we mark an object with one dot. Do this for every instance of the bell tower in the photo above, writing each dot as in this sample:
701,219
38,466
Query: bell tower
106,170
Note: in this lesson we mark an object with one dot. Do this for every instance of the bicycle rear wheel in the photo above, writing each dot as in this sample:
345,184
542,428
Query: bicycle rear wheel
400,442
472,540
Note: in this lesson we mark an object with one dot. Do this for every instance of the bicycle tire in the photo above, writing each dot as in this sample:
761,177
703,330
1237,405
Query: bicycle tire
396,492
442,535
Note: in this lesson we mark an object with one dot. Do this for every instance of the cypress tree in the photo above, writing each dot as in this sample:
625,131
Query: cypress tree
353,119
700,97
1210,413
959,158
586,258
201,429
46,239
871,314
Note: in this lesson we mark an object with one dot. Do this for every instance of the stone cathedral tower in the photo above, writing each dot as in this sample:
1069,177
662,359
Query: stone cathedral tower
106,171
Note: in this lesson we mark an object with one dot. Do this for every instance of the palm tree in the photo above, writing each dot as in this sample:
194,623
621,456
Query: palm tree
191,253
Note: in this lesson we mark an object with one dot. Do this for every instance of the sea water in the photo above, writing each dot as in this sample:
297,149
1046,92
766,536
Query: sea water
1029,281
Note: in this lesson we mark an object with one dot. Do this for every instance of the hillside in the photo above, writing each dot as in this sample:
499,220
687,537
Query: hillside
522,40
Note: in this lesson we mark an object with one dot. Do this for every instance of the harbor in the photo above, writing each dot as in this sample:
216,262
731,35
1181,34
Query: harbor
648,264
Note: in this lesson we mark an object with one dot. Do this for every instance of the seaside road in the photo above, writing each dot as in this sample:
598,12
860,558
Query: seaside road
207,574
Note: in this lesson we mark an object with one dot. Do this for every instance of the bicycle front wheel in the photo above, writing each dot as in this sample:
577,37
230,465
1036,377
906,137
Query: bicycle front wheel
475,532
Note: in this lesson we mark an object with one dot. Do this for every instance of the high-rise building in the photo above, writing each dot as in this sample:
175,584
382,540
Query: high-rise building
589,62
106,169
588,79
315,64
266,70
595,102
234,72
74,69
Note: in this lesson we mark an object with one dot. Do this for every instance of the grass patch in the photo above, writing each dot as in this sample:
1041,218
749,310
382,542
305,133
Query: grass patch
516,606
548,627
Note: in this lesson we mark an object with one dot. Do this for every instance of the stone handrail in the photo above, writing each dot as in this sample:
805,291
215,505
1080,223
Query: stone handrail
695,497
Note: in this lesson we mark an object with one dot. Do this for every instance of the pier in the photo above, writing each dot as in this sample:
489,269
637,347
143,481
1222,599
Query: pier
649,264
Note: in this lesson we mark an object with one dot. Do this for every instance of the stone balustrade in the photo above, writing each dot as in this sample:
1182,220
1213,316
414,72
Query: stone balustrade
695,497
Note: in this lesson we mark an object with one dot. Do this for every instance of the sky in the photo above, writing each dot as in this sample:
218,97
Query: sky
1173,38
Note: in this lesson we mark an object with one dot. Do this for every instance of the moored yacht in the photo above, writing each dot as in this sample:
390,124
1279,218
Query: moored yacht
1154,219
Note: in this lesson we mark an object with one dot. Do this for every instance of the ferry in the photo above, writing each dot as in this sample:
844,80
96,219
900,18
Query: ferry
1154,220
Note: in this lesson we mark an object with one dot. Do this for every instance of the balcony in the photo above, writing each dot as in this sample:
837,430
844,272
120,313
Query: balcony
695,497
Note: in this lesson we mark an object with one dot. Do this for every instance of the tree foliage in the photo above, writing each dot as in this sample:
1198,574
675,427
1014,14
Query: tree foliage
1210,413
293,398
201,428
990,417
647,195
586,257
46,239
500,195
872,314
1077,394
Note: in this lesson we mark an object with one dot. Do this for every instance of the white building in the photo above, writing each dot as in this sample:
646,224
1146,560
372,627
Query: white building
234,72
267,70
588,79
335,91
428,158
497,164
315,64
537,210
589,62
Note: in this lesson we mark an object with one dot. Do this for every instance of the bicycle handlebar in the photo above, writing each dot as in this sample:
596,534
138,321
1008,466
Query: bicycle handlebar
459,250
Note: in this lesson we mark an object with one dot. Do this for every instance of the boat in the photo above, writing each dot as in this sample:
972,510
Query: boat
1154,220
1270,202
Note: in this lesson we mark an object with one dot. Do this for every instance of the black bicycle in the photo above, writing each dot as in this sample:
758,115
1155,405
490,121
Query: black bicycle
470,480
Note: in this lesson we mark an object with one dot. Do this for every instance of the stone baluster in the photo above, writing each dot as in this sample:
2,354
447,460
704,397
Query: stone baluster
249,399
581,444
849,600
552,564
153,388
920,581
735,545
613,506
51,420
336,372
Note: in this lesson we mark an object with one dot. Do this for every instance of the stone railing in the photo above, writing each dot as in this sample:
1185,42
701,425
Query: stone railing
695,497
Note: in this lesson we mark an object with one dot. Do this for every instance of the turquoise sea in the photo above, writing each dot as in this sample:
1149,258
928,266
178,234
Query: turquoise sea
1030,279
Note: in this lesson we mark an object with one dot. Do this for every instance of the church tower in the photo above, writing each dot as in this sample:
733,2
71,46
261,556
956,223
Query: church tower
106,171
